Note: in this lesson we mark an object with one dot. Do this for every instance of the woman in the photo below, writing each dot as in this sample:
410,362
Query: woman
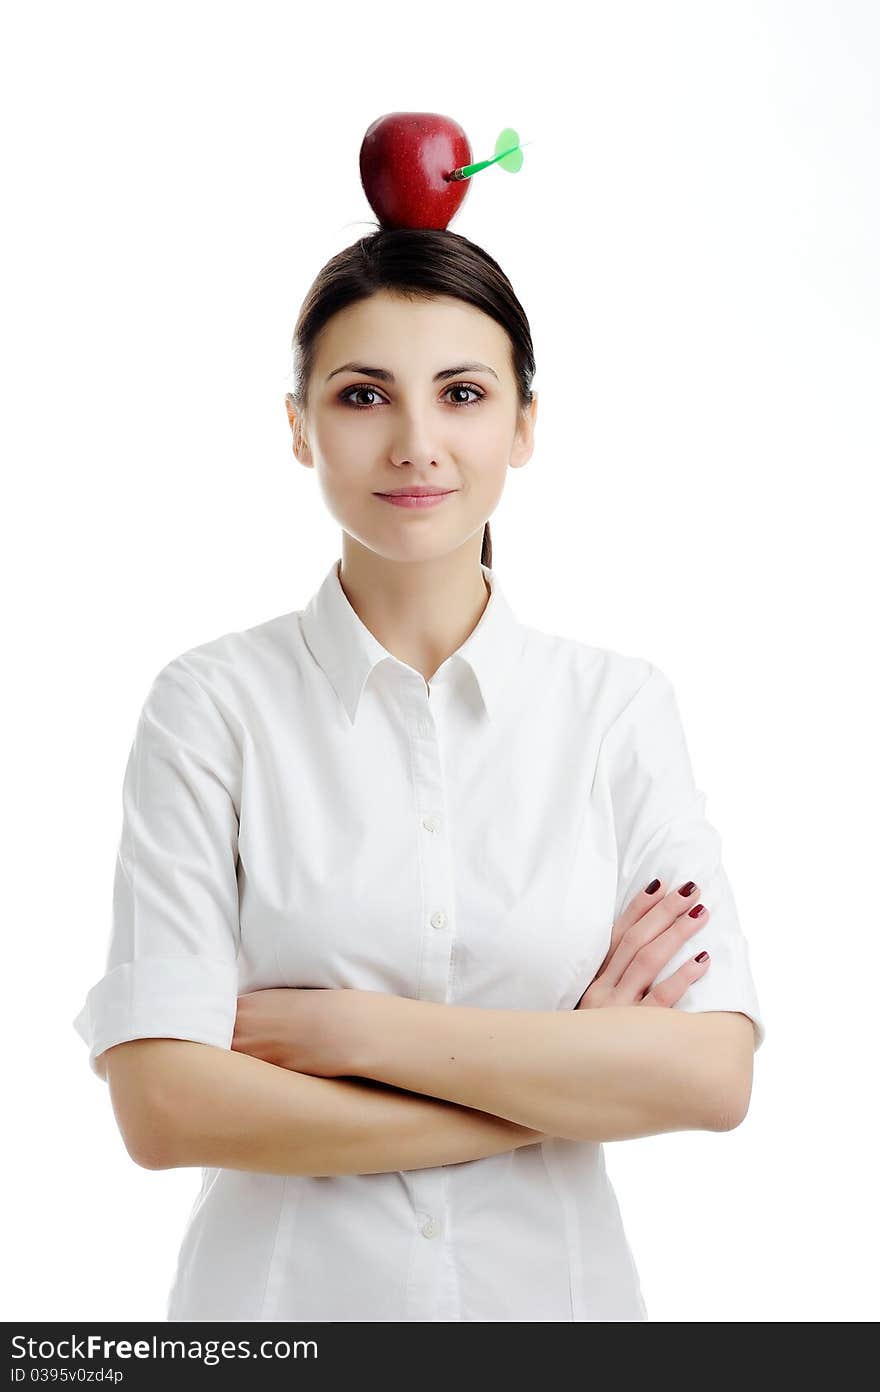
481,842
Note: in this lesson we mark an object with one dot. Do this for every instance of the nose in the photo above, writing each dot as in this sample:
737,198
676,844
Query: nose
414,442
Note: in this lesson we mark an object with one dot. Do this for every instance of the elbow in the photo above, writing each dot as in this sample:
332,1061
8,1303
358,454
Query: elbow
727,1068
730,1104
726,1118
156,1141
152,1151
143,1121
148,1141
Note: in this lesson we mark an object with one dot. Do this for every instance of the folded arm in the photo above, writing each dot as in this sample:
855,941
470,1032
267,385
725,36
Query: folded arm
610,1074
180,1103
436,1084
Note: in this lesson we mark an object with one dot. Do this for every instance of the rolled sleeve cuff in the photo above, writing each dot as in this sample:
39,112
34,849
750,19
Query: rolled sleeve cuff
732,986
156,997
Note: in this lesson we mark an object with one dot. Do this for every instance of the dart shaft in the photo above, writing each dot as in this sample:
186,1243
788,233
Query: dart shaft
464,171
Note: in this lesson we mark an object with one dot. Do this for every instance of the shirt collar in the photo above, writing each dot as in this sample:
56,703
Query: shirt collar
347,651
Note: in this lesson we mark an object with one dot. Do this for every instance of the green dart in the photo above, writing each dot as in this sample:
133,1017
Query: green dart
508,154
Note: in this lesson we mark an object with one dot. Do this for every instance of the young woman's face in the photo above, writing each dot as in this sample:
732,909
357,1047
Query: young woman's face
368,433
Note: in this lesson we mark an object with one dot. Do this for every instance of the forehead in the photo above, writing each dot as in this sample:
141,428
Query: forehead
412,332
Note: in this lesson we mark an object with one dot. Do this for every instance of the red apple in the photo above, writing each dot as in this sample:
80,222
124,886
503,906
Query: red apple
404,160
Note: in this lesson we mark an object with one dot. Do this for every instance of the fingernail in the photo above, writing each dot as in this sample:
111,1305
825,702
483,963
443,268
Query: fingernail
688,888
695,911
701,956
653,887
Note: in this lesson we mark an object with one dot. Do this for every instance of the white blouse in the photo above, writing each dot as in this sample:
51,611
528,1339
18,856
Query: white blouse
300,808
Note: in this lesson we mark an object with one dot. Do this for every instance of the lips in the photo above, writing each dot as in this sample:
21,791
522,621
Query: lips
414,491
417,499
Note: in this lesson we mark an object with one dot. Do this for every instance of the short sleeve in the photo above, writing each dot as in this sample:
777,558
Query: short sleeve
661,830
171,968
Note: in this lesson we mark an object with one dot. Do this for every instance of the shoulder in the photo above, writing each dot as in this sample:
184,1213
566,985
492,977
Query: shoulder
231,669
605,682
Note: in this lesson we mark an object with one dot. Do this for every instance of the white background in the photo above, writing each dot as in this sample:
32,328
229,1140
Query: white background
694,238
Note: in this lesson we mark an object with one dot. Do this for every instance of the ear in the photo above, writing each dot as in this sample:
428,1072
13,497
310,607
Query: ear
300,443
524,442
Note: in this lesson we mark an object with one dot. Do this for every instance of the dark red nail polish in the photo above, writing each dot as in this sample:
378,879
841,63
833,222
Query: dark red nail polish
653,887
688,888
695,911
701,956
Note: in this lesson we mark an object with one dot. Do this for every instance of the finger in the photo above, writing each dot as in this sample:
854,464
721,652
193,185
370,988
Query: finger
651,959
670,991
637,907
649,926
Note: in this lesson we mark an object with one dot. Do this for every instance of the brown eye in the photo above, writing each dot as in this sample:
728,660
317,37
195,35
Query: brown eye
463,387
346,396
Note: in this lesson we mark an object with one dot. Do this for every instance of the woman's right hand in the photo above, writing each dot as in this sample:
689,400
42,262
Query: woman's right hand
649,932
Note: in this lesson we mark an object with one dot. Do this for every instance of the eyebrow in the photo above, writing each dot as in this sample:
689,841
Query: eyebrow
385,376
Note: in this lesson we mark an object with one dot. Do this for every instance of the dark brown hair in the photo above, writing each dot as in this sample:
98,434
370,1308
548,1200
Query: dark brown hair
416,263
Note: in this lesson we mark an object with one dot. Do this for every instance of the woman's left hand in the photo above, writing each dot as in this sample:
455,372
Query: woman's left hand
308,1030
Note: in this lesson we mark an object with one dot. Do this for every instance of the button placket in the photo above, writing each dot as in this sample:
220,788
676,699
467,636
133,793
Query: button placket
433,921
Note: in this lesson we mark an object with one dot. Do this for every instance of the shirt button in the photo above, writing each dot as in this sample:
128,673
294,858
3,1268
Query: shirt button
430,1228
438,919
430,823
